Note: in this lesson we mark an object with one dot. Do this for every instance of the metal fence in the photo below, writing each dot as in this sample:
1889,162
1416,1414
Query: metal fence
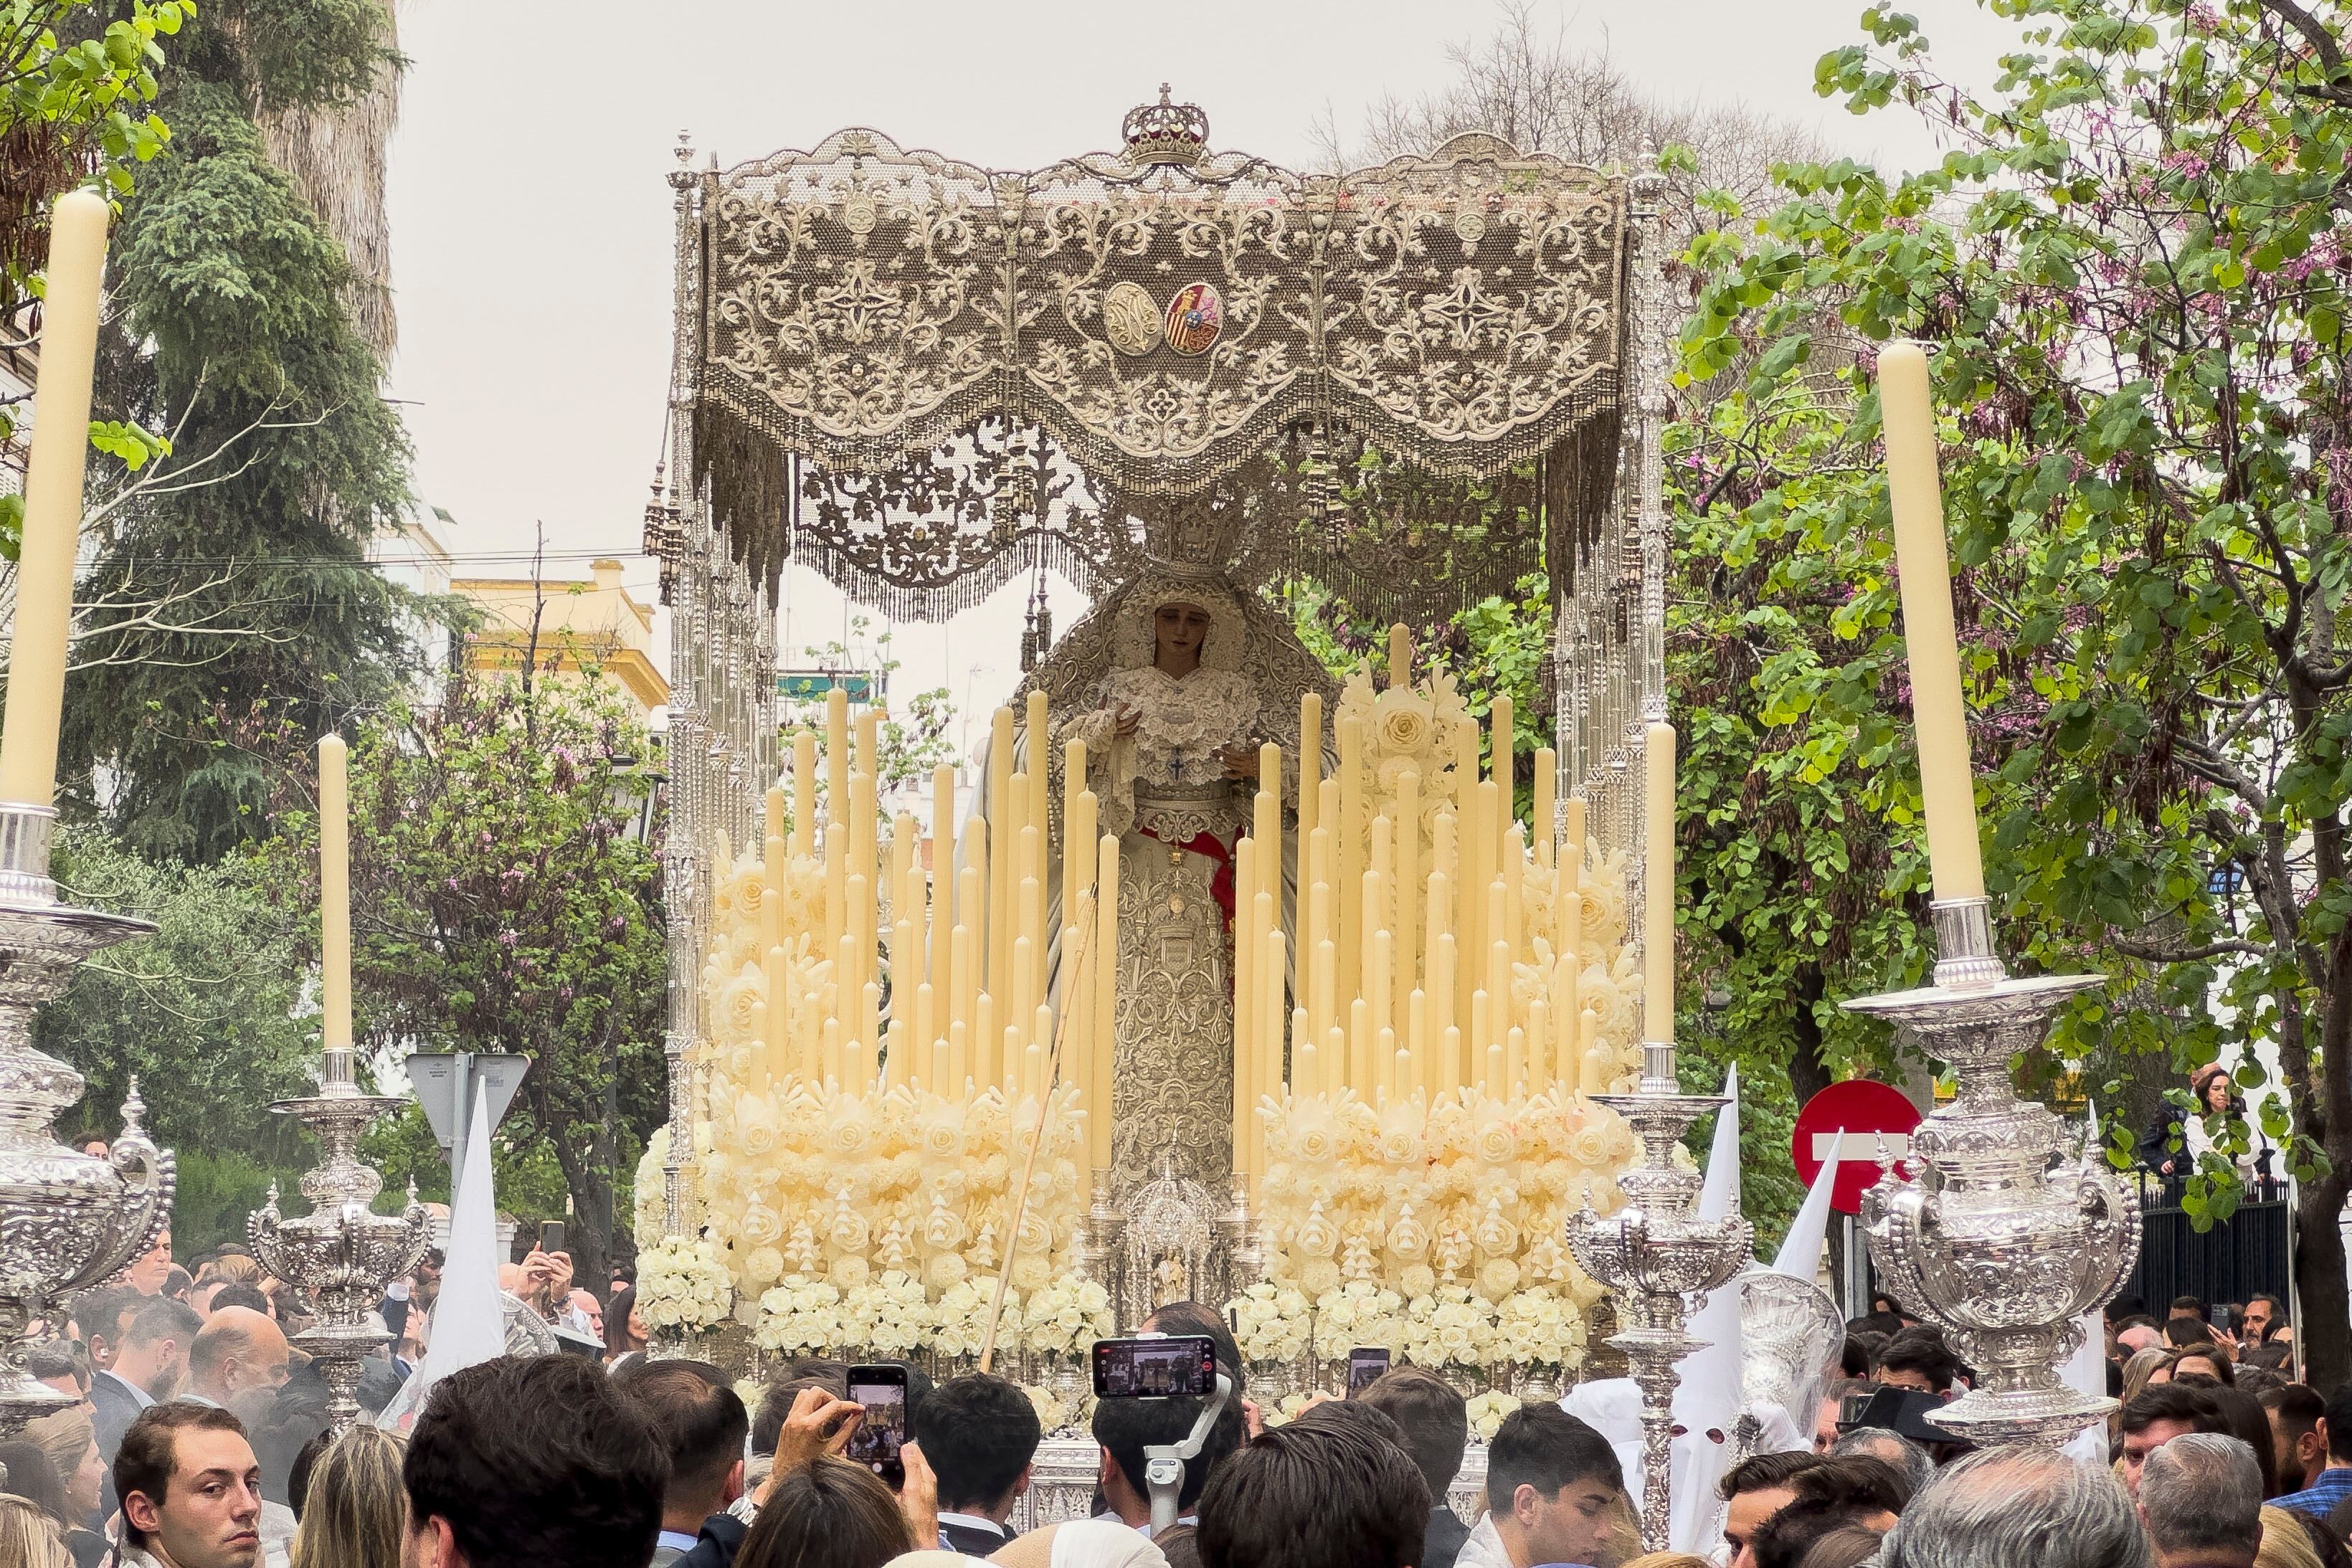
2245,1255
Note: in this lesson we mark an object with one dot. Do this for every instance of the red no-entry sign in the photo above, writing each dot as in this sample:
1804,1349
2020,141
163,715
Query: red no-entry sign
1851,1120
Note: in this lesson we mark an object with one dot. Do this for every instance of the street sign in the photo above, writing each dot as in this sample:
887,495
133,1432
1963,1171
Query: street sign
1853,1120
443,1083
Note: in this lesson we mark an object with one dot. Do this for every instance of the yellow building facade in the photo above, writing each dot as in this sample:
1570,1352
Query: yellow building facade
567,628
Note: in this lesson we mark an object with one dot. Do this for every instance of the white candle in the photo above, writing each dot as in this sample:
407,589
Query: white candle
53,487
1947,789
1658,889
334,903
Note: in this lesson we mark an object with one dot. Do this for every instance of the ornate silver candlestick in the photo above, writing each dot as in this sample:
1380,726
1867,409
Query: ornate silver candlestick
343,1253
1653,1253
2014,1227
68,1221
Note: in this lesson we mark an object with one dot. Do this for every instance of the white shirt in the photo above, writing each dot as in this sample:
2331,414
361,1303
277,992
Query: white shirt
676,1537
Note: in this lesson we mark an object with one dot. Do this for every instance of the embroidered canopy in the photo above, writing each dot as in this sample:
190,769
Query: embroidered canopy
923,377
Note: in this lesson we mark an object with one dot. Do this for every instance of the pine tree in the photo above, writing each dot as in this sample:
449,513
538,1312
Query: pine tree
236,618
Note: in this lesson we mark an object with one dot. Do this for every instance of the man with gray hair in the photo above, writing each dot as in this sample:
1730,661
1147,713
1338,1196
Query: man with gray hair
2012,1506
1907,1458
2201,1499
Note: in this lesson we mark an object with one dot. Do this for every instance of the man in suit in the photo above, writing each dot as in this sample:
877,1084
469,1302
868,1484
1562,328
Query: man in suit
1435,1421
979,1433
701,1425
147,1343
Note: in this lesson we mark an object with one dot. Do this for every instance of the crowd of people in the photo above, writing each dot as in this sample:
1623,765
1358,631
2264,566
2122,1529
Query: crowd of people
197,1438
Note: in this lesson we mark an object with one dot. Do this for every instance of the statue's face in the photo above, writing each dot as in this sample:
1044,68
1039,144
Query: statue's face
1180,628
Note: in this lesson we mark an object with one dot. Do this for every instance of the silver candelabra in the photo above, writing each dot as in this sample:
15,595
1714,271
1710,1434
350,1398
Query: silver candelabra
1653,1252
2013,1227
68,1221
343,1253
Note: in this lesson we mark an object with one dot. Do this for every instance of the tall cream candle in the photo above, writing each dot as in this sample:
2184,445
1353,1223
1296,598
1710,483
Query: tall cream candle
1348,839
836,755
1409,885
1246,953
334,897
944,914
1400,655
1106,998
1658,888
1930,644
995,933
53,500
1545,828
804,792
1310,762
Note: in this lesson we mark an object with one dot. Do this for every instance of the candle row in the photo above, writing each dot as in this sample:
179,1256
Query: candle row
1397,970
937,973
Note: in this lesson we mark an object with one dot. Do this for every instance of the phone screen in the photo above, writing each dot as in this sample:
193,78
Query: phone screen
1365,1365
879,1437
1177,1366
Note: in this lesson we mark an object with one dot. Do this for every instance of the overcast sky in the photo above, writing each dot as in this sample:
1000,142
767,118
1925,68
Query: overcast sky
532,225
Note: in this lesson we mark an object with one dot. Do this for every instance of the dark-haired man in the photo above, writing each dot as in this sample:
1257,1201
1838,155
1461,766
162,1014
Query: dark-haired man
2332,1485
1435,1421
148,1344
1917,1358
2298,1419
2263,1312
537,1459
1316,1494
700,1423
1557,1490
1754,1490
1125,1428
191,1490
979,1433
2159,1414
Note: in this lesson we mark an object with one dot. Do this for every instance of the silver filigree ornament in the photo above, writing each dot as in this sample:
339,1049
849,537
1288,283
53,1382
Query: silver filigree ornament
1654,1253
343,1253
2012,1226
68,1221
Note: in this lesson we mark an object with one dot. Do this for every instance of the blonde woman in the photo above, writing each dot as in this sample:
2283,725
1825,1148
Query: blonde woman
28,1538
355,1513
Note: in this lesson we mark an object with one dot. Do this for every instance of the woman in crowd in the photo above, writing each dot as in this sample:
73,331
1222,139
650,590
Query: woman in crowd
354,1510
69,1441
27,1536
827,1514
624,1330
2140,1368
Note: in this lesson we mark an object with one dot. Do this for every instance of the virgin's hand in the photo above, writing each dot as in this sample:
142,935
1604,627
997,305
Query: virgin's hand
1241,761
1124,721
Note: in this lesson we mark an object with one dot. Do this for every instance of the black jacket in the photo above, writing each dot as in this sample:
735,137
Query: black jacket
1441,1542
722,1537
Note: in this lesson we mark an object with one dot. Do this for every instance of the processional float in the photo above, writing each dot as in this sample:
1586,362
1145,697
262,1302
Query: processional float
1169,374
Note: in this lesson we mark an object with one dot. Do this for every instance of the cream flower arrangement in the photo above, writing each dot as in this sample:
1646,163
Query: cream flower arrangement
1066,1315
1537,1327
958,1321
799,1314
683,1283
1358,1313
1454,1325
1271,1321
1486,1412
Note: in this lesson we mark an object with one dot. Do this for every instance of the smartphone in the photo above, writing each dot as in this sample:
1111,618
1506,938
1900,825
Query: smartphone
1156,1366
1365,1365
881,1388
550,1235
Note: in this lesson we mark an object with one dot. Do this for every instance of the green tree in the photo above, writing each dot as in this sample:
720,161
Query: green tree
213,1014
77,83
501,902
2132,269
236,336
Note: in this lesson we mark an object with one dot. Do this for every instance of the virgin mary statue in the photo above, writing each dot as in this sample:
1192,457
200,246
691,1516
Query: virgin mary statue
1174,682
